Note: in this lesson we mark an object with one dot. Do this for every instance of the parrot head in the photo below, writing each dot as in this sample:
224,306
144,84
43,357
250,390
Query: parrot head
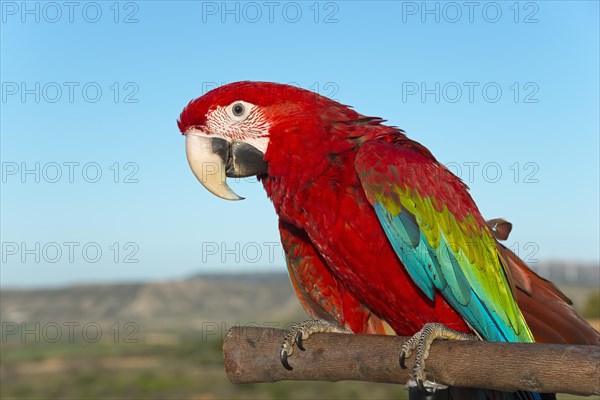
256,129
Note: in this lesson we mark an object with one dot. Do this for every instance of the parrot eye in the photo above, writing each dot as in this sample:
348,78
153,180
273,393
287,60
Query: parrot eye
239,110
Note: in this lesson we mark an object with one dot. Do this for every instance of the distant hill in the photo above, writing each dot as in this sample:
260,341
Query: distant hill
188,304
171,305
586,275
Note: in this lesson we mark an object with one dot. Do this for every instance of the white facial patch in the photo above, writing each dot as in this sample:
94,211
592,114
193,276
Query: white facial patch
239,121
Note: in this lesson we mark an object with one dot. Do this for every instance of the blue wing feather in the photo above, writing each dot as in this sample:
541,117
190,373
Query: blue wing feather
445,276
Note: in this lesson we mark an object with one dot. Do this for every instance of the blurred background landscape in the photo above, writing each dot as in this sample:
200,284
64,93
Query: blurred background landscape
163,339
104,228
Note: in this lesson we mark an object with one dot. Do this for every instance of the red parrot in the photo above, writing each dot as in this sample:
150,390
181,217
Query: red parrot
379,236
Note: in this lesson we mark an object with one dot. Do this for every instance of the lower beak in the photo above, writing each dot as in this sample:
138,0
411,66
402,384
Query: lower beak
214,159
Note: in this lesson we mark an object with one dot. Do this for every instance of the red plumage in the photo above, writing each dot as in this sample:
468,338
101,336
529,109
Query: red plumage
326,203
341,264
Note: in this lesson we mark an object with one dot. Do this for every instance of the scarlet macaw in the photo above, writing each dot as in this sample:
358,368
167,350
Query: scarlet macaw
379,236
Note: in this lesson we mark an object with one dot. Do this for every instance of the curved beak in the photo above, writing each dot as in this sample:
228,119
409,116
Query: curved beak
214,159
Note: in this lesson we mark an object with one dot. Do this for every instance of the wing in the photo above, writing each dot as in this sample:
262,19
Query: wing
321,295
439,235
548,312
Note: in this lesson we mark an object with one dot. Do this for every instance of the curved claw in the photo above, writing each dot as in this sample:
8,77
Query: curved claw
402,360
422,387
299,340
283,357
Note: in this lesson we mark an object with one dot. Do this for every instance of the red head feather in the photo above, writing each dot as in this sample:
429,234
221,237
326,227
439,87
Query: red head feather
273,97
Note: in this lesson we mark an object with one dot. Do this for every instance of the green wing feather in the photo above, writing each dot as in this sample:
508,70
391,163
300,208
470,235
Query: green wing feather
439,235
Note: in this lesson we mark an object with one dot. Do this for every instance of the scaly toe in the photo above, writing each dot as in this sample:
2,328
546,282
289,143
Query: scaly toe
420,344
299,333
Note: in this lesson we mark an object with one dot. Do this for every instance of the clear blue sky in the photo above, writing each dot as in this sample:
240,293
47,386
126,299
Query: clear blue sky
541,133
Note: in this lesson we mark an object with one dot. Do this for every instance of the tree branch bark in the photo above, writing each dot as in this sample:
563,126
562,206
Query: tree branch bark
252,355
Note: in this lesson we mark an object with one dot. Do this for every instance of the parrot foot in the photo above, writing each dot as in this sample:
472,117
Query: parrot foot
302,331
421,343
426,391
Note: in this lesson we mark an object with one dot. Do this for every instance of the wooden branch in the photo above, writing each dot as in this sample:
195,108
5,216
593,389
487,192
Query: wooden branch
252,355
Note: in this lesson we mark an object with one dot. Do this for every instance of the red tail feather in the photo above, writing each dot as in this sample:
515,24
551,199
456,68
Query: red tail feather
546,309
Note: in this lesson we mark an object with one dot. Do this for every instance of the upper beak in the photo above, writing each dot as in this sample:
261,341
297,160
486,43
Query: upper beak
214,159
